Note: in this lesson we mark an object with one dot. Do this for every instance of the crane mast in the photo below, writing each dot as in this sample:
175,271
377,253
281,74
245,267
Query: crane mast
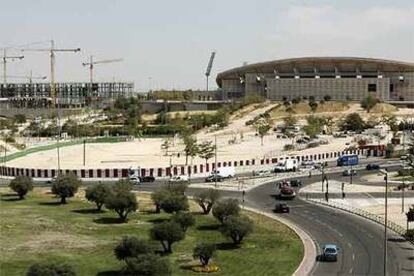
5,57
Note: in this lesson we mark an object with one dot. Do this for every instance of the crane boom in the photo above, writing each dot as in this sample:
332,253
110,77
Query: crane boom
91,63
5,57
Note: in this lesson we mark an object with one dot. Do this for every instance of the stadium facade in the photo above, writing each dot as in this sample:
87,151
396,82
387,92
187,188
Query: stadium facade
342,78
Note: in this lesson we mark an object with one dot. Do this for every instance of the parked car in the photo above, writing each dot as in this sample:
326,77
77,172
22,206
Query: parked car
214,177
148,178
371,167
281,208
135,179
330,252
295,183
179,179
262,173
50,181
349,172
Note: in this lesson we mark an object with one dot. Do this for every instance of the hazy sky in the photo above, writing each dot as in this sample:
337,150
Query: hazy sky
170,41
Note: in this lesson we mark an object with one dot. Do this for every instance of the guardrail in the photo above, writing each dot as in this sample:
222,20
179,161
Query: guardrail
311,197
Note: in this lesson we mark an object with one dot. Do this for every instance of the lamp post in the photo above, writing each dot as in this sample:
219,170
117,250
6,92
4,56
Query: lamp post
385,173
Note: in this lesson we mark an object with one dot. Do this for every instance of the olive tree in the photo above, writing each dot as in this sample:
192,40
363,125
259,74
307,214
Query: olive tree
131,246
184,219
121,200
207,199
66,185
167,233
97,194
225,208
157,197
174,203
204,252
236,228
21,185
206,150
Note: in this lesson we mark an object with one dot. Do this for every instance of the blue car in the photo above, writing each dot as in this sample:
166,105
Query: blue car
330,252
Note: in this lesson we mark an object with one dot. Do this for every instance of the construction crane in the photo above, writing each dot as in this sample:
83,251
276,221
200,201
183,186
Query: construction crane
91,64
52,51
209,66
5,57
29,77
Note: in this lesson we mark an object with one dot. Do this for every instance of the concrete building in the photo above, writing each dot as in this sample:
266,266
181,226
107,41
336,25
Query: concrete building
342,78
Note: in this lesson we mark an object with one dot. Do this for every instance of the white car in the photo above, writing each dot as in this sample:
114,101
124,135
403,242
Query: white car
179,178
262,173
135,179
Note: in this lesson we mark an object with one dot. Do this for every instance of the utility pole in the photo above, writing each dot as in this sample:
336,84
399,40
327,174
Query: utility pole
215,161
403,180
350,175
84,152
5,57
385,172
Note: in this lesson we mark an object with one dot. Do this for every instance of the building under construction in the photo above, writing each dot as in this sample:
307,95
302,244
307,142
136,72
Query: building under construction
68,94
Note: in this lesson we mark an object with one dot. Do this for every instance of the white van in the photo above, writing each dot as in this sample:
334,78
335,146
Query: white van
287,165
224,172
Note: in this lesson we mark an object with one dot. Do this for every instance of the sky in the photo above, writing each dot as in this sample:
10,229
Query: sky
167,44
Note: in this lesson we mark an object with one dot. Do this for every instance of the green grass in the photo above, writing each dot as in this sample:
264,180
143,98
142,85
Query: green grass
36,229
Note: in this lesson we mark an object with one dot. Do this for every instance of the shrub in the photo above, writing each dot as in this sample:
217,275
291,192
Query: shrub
97,194
66,185
131,247
205,269
237,228
51,269
173,203
148,264
204,252
288,147
184,219
21,185
226,208
327,98
167,233
207,199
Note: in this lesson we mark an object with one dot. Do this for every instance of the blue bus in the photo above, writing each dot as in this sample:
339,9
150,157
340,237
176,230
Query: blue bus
347,160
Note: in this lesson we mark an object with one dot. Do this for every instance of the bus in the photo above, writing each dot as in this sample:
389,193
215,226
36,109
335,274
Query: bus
347,160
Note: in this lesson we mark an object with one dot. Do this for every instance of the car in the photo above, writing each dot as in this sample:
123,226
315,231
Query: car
349,172
284,183
262,173
281,208
404,157
52,180
371,167
330,252
135,179
179,179
214,177
295,183
148,178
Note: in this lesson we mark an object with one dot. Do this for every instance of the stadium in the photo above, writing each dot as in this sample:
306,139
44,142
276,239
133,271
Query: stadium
342,78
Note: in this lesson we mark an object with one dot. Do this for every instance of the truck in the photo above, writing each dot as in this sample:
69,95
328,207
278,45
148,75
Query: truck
224,172
287,165
347,160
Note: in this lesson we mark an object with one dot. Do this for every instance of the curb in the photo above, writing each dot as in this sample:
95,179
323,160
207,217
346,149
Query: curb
309,253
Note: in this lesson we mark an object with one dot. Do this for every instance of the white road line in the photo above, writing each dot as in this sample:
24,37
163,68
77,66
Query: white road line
353,256
350,245
350,270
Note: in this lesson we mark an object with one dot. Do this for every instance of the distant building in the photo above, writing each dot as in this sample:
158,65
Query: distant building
340,78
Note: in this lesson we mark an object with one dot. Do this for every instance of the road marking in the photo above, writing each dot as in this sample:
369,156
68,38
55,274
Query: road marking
350,245
353,256
350,270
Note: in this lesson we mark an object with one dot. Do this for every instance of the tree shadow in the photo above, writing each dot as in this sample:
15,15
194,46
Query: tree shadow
112,273
198,213
210,227
88,211
54,203
109,220
411,258
397,239
8,195
226,246
158,220
11,199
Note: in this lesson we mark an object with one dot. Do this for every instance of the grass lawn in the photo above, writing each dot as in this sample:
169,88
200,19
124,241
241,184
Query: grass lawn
38,229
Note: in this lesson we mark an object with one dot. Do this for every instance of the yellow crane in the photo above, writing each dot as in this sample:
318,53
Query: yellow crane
52,51
5,58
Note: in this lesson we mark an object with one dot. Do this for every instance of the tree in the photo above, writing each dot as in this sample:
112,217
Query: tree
148,264
314,126
296,100
21,185
166,145
289,121
20,118
130,247
66,185
167,233
368,103
121,200
184,219
206,150
50,269
97,194
313,105
389,151
353,122
226,208
190,146
207,199
204,252
173,203
391,121
237,228
262,128
157,197
327,98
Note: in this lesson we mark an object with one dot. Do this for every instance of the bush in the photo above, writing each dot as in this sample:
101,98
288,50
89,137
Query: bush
226,208
327,98
288,147
121,201
66,185
237,228
148,264
204,252
167,233
173,203
409,234
21,185
131,247
353,122
52,269
184,219
97,194
207,199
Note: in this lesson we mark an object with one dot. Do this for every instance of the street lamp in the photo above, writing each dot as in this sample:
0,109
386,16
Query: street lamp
385,173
